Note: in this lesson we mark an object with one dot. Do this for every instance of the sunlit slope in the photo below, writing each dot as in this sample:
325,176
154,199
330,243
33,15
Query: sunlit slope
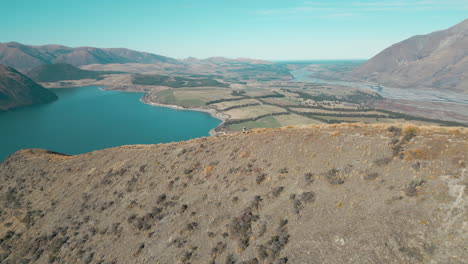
318,194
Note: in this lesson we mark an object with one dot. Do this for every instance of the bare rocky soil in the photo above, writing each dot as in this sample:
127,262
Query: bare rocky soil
319,194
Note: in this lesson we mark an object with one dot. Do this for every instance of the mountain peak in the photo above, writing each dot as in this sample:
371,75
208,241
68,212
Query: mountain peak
437,60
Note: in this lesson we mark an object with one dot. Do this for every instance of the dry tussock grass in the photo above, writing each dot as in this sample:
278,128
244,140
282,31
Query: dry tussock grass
38,153
244,154
409,129
208,169
15,223
406,128
57,158
416,153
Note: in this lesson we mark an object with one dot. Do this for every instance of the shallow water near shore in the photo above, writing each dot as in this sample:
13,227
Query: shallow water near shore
84,119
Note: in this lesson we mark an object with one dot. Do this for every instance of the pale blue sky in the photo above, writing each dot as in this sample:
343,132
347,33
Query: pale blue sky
264,29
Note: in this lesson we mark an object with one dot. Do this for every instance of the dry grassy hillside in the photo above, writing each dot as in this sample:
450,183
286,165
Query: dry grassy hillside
437,60
23,56
319,194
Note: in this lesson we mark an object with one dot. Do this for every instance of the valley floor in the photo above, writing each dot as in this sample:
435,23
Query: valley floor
246,97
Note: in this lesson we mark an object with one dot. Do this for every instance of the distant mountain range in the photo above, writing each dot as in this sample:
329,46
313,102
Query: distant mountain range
436,60
17,90
26,56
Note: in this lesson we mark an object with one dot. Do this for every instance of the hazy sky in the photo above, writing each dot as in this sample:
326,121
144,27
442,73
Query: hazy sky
265,29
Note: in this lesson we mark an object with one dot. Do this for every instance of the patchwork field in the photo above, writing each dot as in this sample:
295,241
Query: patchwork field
253,111
191,97
275,121
295,120
324,111
258,92
371,120
281,101
227,104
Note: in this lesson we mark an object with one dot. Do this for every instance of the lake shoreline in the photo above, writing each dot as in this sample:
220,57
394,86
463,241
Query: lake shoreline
213,112
85,119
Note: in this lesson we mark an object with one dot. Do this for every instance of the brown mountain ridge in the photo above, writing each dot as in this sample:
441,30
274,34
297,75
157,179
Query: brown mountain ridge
22,56
437,60
318,194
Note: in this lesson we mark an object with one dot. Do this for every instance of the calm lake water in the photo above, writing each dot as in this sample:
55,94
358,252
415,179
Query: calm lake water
86,119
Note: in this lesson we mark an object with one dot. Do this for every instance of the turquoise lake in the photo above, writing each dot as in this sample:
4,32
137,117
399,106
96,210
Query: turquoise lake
84,119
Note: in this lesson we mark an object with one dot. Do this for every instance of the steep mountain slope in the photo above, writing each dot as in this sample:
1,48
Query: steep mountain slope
25,56
438,60
322,194
17,90
61,71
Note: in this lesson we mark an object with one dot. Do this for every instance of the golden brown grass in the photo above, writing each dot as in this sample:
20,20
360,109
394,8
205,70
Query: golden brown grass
416,153
208,169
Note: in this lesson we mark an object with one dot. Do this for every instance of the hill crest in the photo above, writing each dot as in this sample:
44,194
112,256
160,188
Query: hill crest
329,193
